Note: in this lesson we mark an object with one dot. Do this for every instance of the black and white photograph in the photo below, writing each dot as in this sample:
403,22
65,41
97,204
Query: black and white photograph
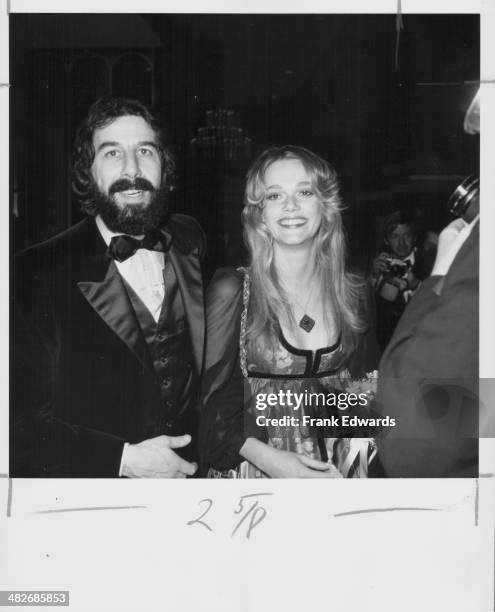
245,247
222,217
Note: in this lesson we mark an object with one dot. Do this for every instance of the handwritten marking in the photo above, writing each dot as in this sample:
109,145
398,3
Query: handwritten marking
246,496
254,511
256,514
405,509
9,499
476,502
399,11
198,520
90,508
4,475
486,475
399,25
253,522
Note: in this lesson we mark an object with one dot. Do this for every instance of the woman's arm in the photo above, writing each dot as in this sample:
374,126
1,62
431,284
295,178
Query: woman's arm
222,419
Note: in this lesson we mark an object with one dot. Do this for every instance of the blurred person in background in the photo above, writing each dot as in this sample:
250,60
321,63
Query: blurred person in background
397,273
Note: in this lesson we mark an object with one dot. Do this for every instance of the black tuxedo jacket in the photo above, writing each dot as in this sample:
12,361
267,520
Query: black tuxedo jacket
82,380
429,376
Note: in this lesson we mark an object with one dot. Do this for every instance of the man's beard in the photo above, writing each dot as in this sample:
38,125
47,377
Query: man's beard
135,218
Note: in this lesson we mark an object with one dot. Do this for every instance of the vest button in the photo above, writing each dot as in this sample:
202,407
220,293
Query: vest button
166,383
164,360
161,336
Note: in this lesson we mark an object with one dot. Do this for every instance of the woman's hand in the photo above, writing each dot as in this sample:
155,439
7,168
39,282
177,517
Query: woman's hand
285,464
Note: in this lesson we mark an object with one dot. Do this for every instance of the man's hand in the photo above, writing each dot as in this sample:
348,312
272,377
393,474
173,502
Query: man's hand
397,281
412,281
381,264
154,458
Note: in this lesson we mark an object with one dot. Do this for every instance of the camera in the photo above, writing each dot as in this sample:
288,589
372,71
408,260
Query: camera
396,267
393,279
465,199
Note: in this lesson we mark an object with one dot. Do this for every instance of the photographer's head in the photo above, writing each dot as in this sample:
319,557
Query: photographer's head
399,235
122,170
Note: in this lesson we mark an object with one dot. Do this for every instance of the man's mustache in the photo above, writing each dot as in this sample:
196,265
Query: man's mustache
138,184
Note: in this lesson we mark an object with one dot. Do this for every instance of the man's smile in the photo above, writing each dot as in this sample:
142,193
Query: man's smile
132,193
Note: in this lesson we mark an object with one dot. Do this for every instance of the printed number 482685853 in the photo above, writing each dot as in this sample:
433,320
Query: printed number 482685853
48,598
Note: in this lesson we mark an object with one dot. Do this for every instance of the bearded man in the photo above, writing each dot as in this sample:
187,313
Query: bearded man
108,319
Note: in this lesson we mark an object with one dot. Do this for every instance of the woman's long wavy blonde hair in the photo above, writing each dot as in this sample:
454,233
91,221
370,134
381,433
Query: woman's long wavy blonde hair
342,291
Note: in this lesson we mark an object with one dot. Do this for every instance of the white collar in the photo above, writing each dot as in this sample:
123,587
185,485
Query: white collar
411,257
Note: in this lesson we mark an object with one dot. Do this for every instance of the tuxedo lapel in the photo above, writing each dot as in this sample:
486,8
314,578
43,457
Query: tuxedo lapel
107,295
105,292
188,272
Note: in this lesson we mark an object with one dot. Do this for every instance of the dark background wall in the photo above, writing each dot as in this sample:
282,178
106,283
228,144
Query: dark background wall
327,82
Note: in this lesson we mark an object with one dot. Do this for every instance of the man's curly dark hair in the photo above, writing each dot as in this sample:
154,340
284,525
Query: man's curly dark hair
101,113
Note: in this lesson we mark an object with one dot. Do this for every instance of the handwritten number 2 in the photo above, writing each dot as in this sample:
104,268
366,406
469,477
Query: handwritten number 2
198,520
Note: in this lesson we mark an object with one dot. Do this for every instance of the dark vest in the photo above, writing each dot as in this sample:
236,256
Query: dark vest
170,350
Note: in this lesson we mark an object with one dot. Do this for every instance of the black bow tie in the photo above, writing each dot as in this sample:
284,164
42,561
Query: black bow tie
122,247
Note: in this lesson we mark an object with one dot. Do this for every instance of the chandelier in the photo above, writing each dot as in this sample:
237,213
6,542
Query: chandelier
220,139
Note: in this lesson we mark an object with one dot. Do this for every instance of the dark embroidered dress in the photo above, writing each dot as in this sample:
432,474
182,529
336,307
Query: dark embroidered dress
238,372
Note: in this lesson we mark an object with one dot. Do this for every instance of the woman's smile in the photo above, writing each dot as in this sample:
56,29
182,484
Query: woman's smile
292,222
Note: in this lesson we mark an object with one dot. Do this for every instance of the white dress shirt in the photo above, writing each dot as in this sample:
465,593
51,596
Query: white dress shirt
450,242
144,273
411,260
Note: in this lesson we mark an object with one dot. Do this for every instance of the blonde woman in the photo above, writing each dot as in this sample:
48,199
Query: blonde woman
289,325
